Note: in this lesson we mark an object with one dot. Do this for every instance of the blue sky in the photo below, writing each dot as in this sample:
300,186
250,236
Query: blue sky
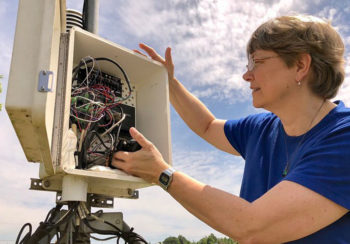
208,40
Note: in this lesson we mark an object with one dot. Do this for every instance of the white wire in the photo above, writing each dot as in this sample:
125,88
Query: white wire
113,126
91,102
88,73
86,120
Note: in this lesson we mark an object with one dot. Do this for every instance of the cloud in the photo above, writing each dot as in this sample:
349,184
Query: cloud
208,38
18,205
344,90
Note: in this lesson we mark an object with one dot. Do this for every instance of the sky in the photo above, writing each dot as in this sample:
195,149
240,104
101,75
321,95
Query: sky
208,40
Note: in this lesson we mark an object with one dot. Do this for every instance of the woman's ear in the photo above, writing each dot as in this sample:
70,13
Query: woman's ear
303,65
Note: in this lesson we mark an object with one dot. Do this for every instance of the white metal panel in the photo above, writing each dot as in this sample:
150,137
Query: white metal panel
36,47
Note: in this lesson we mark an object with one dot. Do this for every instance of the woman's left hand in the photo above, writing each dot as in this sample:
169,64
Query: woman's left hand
147,163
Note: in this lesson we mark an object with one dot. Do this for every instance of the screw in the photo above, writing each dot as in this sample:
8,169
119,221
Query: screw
47,183
42,88
44,72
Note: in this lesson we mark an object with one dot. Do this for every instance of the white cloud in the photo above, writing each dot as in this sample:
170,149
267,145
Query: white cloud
344,90
208,38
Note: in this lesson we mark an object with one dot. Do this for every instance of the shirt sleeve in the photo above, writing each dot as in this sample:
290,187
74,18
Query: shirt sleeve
239,131
325,167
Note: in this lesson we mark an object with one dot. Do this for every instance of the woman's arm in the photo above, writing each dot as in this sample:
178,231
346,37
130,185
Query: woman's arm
287,212
195,114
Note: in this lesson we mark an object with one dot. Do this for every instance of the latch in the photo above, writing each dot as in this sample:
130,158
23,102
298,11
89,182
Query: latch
45,83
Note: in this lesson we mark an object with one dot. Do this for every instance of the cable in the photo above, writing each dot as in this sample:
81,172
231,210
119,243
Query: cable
113,126
52,227
105,239
75,70
25,238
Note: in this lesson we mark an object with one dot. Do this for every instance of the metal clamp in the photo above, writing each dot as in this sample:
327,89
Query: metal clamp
100,201
44,81
36,184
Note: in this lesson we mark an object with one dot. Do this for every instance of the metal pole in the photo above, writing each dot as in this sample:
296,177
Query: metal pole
90,15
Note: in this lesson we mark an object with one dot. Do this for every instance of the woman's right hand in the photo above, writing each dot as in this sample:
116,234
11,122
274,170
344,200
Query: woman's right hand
167,62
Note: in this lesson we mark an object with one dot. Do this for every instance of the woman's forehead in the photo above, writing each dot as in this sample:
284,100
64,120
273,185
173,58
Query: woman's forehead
261,52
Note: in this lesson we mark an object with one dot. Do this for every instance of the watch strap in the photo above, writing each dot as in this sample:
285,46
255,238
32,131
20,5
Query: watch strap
166,177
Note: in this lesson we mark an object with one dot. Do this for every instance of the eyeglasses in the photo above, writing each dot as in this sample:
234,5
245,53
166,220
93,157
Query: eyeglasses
251,62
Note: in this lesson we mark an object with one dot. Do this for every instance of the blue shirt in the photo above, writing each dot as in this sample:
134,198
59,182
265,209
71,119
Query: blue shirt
319,160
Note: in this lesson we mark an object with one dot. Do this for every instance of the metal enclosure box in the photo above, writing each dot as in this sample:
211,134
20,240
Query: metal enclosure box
41,117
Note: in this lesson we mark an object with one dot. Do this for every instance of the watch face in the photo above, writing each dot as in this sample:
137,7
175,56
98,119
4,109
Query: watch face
164,178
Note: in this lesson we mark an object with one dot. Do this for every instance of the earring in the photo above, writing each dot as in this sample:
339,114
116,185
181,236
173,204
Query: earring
299,83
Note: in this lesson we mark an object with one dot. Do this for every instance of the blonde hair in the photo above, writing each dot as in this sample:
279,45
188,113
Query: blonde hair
290,36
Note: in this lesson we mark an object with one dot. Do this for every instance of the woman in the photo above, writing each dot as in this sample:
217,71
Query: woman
296,183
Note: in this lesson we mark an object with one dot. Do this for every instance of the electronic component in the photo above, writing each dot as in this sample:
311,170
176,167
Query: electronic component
99,113
101,78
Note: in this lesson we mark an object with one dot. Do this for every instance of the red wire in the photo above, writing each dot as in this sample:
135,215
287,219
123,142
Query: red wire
76,114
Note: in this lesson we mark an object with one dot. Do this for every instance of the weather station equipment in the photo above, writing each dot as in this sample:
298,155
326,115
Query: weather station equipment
72,97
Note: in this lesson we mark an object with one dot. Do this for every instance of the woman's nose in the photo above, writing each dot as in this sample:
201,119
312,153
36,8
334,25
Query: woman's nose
247,76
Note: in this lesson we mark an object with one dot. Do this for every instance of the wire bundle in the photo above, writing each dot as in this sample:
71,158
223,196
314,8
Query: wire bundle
96,112
66,226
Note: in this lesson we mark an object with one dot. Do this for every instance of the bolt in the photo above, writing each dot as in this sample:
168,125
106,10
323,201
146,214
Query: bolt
46,183
44,72
130,192
42,88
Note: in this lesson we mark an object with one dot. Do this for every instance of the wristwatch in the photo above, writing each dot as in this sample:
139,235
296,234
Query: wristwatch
166,178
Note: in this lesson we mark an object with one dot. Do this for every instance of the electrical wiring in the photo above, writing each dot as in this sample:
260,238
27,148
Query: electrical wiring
104,239
96,100
65,228
25,238
113,126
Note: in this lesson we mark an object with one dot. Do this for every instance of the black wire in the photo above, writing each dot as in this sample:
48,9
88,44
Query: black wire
29,233
65,232
121,69
75,70
127,235
100,139
119,128
55,210
101,232
83,161
103,239
45,228
71,212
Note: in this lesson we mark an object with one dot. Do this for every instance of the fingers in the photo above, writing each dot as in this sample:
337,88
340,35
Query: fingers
169,63
121,155
144,143
118,164
119,159
168,58
137,51
150,51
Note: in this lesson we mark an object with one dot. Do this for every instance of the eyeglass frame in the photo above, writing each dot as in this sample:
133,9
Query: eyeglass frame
251,62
